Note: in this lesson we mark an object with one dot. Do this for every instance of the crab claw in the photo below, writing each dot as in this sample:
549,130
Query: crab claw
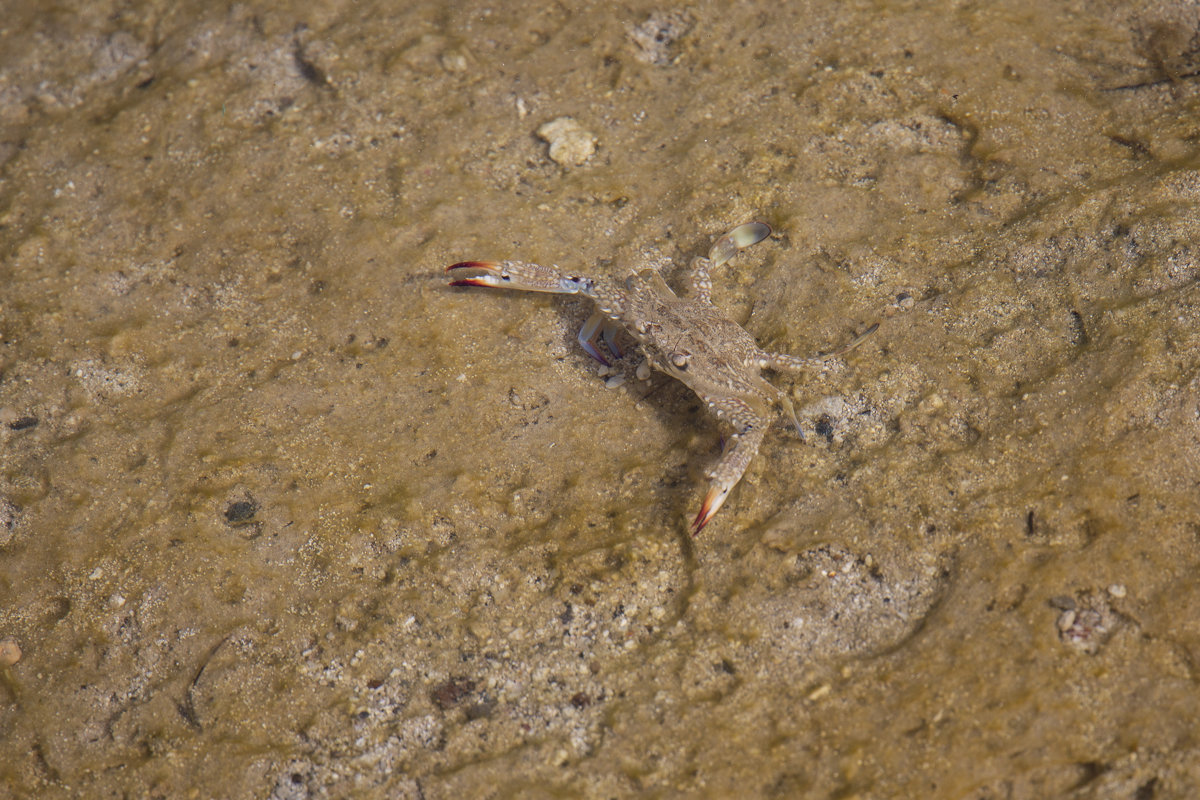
737,239
711,505
735,457
520,275
488,276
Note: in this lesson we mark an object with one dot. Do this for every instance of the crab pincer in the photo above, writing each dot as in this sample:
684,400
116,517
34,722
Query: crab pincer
486,274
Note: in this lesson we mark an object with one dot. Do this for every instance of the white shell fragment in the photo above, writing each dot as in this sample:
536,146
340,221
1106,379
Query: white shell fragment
570,143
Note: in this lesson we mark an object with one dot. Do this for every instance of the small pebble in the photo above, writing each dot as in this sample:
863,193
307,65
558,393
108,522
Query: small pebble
453,61
10,652
614,382
570,143
1117,590
643,371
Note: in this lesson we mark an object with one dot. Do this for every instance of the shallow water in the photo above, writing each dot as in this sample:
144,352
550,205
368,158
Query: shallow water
281,514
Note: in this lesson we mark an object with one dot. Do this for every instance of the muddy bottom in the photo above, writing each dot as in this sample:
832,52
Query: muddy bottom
284,515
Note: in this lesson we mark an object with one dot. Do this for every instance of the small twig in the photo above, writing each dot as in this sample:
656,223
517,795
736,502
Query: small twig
1157,82
187,707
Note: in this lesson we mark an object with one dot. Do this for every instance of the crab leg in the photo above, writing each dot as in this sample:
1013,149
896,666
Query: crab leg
739,450
785,361
537,278
597,326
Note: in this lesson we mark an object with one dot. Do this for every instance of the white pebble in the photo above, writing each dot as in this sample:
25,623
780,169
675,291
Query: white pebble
614,381
570,143
643,371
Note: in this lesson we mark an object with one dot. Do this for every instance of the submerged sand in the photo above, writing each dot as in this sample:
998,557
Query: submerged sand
283,515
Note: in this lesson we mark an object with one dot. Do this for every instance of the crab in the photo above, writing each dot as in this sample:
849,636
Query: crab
687,338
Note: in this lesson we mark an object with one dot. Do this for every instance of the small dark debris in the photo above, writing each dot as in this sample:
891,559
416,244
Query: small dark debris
580,700
144,83
824,428
480,710
1081,335
58,609
23,423
567,615
241,512
1147,790
726,666
1062,602
308,70
316,287
374,683
1089,771
1135,147
449,694
1030,527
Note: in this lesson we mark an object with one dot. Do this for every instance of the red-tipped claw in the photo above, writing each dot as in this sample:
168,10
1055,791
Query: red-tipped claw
487,278
711,505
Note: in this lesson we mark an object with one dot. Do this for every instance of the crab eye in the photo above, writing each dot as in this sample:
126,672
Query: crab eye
680,360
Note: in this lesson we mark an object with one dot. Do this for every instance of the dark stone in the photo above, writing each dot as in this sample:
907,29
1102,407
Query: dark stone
451,693
240,512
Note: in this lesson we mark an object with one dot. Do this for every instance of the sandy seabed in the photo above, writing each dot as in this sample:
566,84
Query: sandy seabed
282,515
